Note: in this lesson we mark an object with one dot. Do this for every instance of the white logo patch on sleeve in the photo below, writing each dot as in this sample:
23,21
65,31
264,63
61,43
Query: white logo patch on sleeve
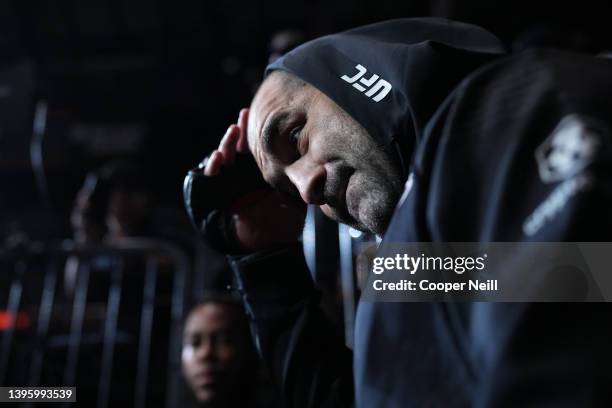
563,157
569,149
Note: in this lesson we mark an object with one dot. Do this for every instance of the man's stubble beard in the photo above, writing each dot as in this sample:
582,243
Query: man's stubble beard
378,199
378,182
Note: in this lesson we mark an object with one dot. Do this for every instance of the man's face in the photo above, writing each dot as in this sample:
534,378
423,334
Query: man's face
307,145
214,351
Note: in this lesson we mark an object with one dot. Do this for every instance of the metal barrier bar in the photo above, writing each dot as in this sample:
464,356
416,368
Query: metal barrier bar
173,396
12,309
309,236
44,316
110,332
348,283
142,247
76,324
146,328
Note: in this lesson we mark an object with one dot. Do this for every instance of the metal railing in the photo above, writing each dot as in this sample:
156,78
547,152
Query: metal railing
42,264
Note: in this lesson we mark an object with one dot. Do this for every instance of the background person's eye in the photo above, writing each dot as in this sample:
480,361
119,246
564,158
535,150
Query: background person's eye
196,341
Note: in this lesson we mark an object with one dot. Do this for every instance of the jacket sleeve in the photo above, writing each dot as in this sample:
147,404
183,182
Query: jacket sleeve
308,360
525,156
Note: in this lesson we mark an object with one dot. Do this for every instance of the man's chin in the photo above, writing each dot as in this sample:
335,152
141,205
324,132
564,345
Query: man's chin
376,229
374,222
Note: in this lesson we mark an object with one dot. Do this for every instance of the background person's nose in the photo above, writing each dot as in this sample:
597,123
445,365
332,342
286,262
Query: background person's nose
206,350
308,177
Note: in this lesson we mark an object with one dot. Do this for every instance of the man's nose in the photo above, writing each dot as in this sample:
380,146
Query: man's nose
308,176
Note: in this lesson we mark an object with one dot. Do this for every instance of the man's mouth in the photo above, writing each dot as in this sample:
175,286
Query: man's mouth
343,196
352,197
336,185
340,197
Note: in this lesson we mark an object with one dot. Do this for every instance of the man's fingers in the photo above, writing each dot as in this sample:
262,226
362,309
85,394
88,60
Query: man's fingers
243,119
214,164
234,140
228,144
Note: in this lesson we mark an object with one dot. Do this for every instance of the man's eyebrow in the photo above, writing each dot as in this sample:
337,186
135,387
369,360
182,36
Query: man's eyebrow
270,131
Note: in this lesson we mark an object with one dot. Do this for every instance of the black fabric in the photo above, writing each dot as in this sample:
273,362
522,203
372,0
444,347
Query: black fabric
304,352
474,177
422,59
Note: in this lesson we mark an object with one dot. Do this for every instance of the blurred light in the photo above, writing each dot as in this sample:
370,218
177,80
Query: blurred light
8,320
309,239
355,233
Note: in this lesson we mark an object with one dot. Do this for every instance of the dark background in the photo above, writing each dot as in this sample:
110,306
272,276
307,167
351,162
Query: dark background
158,81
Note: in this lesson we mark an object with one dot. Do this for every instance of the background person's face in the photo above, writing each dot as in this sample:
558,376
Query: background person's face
127,210
306,144
214,351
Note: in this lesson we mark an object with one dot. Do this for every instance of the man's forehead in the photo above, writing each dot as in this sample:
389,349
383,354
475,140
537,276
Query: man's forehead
271,94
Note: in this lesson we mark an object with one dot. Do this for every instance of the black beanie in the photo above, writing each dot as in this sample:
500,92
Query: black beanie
392,76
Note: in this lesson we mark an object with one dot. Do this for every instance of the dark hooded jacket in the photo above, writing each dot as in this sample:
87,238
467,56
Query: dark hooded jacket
464,122
392,76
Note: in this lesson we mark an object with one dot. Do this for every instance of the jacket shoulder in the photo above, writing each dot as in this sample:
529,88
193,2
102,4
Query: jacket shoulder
480,155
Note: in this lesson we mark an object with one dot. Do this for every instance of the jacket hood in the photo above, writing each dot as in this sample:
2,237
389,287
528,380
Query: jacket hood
392,76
